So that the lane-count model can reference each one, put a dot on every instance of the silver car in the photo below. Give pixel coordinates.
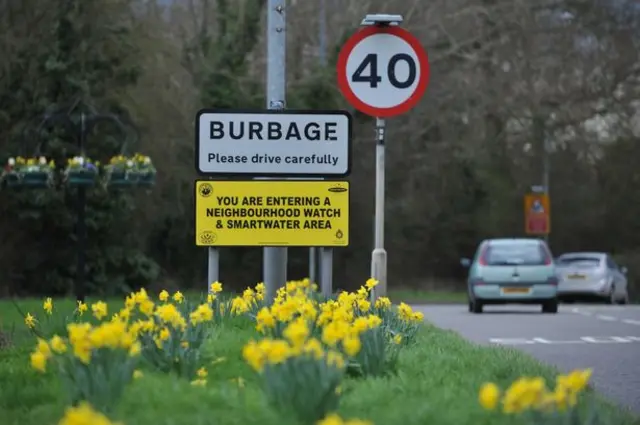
(591, 276)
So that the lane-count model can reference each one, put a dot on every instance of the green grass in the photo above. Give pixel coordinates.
(414, 296)
(437, 384)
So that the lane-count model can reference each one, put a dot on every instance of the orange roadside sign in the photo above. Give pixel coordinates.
(537, 214)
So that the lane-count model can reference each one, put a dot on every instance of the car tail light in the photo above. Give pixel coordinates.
(548, 259)
(553, 280)
(482, 260)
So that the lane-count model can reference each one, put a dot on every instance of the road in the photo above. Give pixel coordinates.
(605, 338)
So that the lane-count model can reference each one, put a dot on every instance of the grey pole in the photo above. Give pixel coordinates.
(326, 273)
(322, 53)
(322, 36)
(313, 266)
(213, 270)
(213, 266)
(379, 254)
(274, 261)
(545, 174)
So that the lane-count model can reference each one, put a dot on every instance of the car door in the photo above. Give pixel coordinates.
(619, 278)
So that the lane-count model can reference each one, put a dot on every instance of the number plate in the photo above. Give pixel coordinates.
(576, 276)
(521, 290)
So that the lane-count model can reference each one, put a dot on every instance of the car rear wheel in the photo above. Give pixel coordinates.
(625, 299)
(612, 296)
(475, 307)
(550, 307)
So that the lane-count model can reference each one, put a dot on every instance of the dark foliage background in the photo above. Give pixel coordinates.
(506, 76)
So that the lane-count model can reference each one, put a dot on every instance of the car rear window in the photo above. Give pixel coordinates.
(580, 262)
(512, 254)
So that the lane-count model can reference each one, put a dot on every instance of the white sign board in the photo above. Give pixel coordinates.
(273, 143)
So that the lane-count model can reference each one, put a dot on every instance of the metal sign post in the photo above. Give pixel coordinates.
(213, 267)
(383, 71)
(326, 271)
(274, 260)
(379, 253)
(313, 265)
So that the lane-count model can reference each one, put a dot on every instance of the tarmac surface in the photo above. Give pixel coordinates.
(605, 338)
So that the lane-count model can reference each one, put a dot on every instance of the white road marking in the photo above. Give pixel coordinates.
(607, 318)
(579, 340)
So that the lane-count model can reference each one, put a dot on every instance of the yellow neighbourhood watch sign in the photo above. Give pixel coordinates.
(272, 213)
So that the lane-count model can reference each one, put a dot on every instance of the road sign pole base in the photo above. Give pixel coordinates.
(379, 272)
(326, 274)
(213, 269)
(274, 270)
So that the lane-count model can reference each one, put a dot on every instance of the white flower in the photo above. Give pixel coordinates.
(147, 160)
(43, 160)
(12, 161)
(80, 160)
(129, 163)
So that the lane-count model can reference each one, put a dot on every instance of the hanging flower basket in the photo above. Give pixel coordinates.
(28, 173)
(147, 179)
(124, 172)
(81, 172)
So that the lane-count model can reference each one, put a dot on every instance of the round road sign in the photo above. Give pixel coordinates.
(383, 71)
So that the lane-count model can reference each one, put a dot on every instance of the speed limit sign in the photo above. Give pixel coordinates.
(383, 71)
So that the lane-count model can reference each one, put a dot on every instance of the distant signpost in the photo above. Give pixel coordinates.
(537, 214)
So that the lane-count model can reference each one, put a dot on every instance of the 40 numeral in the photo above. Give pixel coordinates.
(371, 76)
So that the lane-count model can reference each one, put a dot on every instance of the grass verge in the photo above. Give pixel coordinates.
(437, 383)
(413, 296)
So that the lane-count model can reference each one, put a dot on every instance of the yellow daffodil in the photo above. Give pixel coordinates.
(163, 296)
(371, 283)
(216, 287)
(84, 414)
(99, 310)
(58, 345)
(178, 297)
(81, 308)
(30, 321)
(38, 361)
(47, 306)
(489, 396)
(352, 345)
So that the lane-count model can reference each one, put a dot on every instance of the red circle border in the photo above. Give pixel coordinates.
(343, 83)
